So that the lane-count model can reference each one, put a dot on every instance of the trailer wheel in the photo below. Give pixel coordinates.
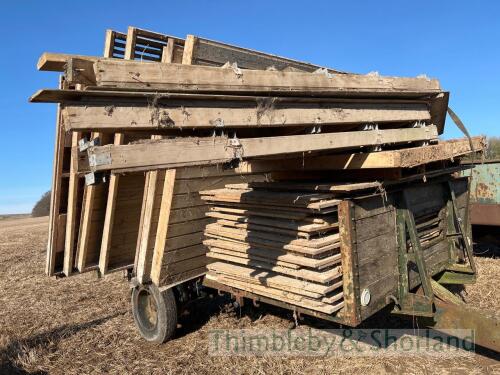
(155, 312)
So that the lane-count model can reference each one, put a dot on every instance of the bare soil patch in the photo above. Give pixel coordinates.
(82, 325)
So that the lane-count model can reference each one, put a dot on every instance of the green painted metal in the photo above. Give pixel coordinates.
(485, 193)
(485, 187)
(450, 277)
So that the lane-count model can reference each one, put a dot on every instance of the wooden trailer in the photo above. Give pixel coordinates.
(150, 178)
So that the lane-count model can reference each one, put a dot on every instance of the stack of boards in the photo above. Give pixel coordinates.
(143, 129)
(277, 243)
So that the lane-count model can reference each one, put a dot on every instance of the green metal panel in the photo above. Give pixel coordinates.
(485, 187)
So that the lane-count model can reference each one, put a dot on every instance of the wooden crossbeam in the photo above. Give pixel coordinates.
(209, 114)
(402, 158)
(179, 77)
(182, 152)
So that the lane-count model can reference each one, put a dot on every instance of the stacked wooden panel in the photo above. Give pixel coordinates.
(143, 130)
(276, 242)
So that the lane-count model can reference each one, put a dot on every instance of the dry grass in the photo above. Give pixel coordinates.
(83, 325)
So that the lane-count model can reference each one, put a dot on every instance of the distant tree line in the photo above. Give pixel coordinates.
(42, 207)
(493, 150)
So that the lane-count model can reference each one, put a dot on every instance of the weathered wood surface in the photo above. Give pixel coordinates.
(55, 243)
(173, 153)
(180, 77)
(201, 51)
(208, 114)
(402, 158)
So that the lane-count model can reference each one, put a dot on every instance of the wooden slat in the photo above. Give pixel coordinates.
(207, 51)
(186, 114)
(162, 228)
(109, 216)
(189, 45)
(109, 43)
(180, 77)
(69, 243)
(130, 44)
(144, 250)
(168, 52)
(175, 153)
(56, 232)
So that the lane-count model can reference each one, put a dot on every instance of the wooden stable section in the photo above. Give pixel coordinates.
(307, 186)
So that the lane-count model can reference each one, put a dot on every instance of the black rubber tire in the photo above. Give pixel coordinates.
(155, 313)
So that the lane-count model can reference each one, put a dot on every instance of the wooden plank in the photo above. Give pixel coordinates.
(109, 216)
(89, 196)
(109, 43)
(130, 44)
(145, 251)
(181, 77)
(56, 62)
(284, 256)
(208, 114)
(69, 243)
(179, 152)
(209, 52)
(336, 187)
(189, 47)
(163, 223)
(349, 268)
(56, 232)
(268, 277)
(168, 51)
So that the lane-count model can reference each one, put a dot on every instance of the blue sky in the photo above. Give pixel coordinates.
(457, 42)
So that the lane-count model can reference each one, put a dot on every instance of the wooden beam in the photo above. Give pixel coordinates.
(199, 151)
(109, 215)
(209, 52)
(69, 243)
(189, 48)
(137, 75)
(402, 158)
(168, 52)
(56, 232)
(162, 228)
(109, 43)
(56, 62)
(179, 77)
(130, 44)
(144, 248)
(209, 114)
(147, 226)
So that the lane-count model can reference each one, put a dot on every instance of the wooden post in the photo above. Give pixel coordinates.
(109, 43)
(189, 47)
(144, 250)
(162, 228)
(55, 231)
(69, 243)
(109, 216)
(130, 44)
(168, 51)
(350, 312)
